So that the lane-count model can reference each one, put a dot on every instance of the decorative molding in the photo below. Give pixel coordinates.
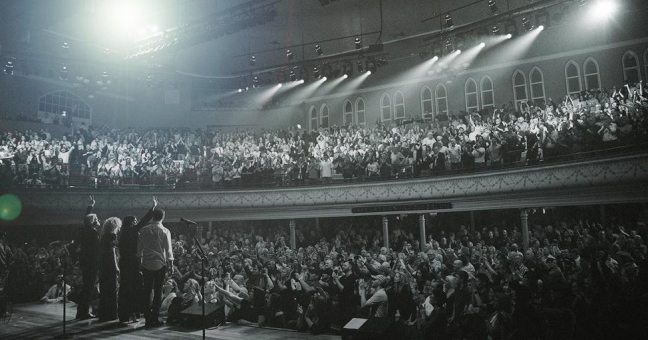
(538, 184)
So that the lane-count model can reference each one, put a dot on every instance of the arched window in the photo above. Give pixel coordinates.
(426, 103)
(347, 112)
(631, 71)
(536, 81)
(572, 78)
(399, 105)
(591, 74)
(520, 94)
(314, 119)
(360, 111)
(324, 116)
(385, 107)
(472, 103)
(441, 95)
(487, 93)
(55, 105)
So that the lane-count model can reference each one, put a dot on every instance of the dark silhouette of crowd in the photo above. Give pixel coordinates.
(528, 134)
(576, 280)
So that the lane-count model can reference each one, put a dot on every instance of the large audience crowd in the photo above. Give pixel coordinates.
(532, 133)
(576, 280)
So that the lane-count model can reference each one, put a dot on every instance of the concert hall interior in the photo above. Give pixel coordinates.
(324, 169)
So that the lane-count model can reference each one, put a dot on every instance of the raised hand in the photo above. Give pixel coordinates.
(155, 202)
(91, 200)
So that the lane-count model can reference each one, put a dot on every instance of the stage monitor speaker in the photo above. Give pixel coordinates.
(366, 329)
(192, 315)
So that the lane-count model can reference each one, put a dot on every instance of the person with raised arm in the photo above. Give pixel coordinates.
(88, 254)
(130, 279)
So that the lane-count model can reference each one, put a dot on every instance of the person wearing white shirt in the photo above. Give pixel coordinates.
(156, 255)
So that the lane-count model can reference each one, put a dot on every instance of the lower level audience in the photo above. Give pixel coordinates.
(577, 280)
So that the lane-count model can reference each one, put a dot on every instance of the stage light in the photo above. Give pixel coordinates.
(369, 72)
(316, 70)
(482, 45)
(63, 74)
(495, 29)
(449, 23)
(493, 7)
(358, 43)
(318, 49)
(289, 54)
(541, 28)
(252, 60)
(603, 9)
(10, 66)
(292, 75)
(458, 51)
(345, 76)
(279, 85)
(302, 81)
(239, 90)
(324, 78)
(360, 66)
(509, 36)
(65, 45)
(526, 24)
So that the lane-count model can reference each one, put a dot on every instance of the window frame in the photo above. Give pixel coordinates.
(424, 101)
(541, 82)
(587, 75)
(482, 92)
(387, 106)
(346, 113)
(626, 68)
(312, 118)
(438, 98)
(516, 100)
(364, 111)
(577, 76)
(467, 94)
(323, 116)
(397, 105)
(56, 102)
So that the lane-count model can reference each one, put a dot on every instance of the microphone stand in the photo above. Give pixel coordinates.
(203, 259)
(64, 254)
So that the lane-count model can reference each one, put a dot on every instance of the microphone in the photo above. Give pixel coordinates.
(188, 221)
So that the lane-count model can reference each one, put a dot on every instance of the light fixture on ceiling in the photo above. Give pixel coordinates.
(289, 54)
(65, 45)
(9, 66)
(252, 60)
(495, 29)
(493, 6)
(358, 43)
(526, 24)
(318, 49)
(449, 22)
(360, 66)
(64, 72)
(292, 75)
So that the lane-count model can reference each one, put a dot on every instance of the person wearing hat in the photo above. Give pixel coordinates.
(378, 302)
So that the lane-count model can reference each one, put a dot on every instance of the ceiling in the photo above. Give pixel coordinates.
(96, 32)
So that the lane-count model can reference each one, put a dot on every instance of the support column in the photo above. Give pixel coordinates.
(603, 217)
(317, 226)
(385, 225)
(422, 236)
(293, 237)
(524, 224)
(472, 221)
(210, 227)
(200, 230)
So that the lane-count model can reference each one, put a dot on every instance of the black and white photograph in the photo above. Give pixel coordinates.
(324, 169)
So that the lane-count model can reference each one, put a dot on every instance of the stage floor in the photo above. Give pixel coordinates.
(45, 321)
